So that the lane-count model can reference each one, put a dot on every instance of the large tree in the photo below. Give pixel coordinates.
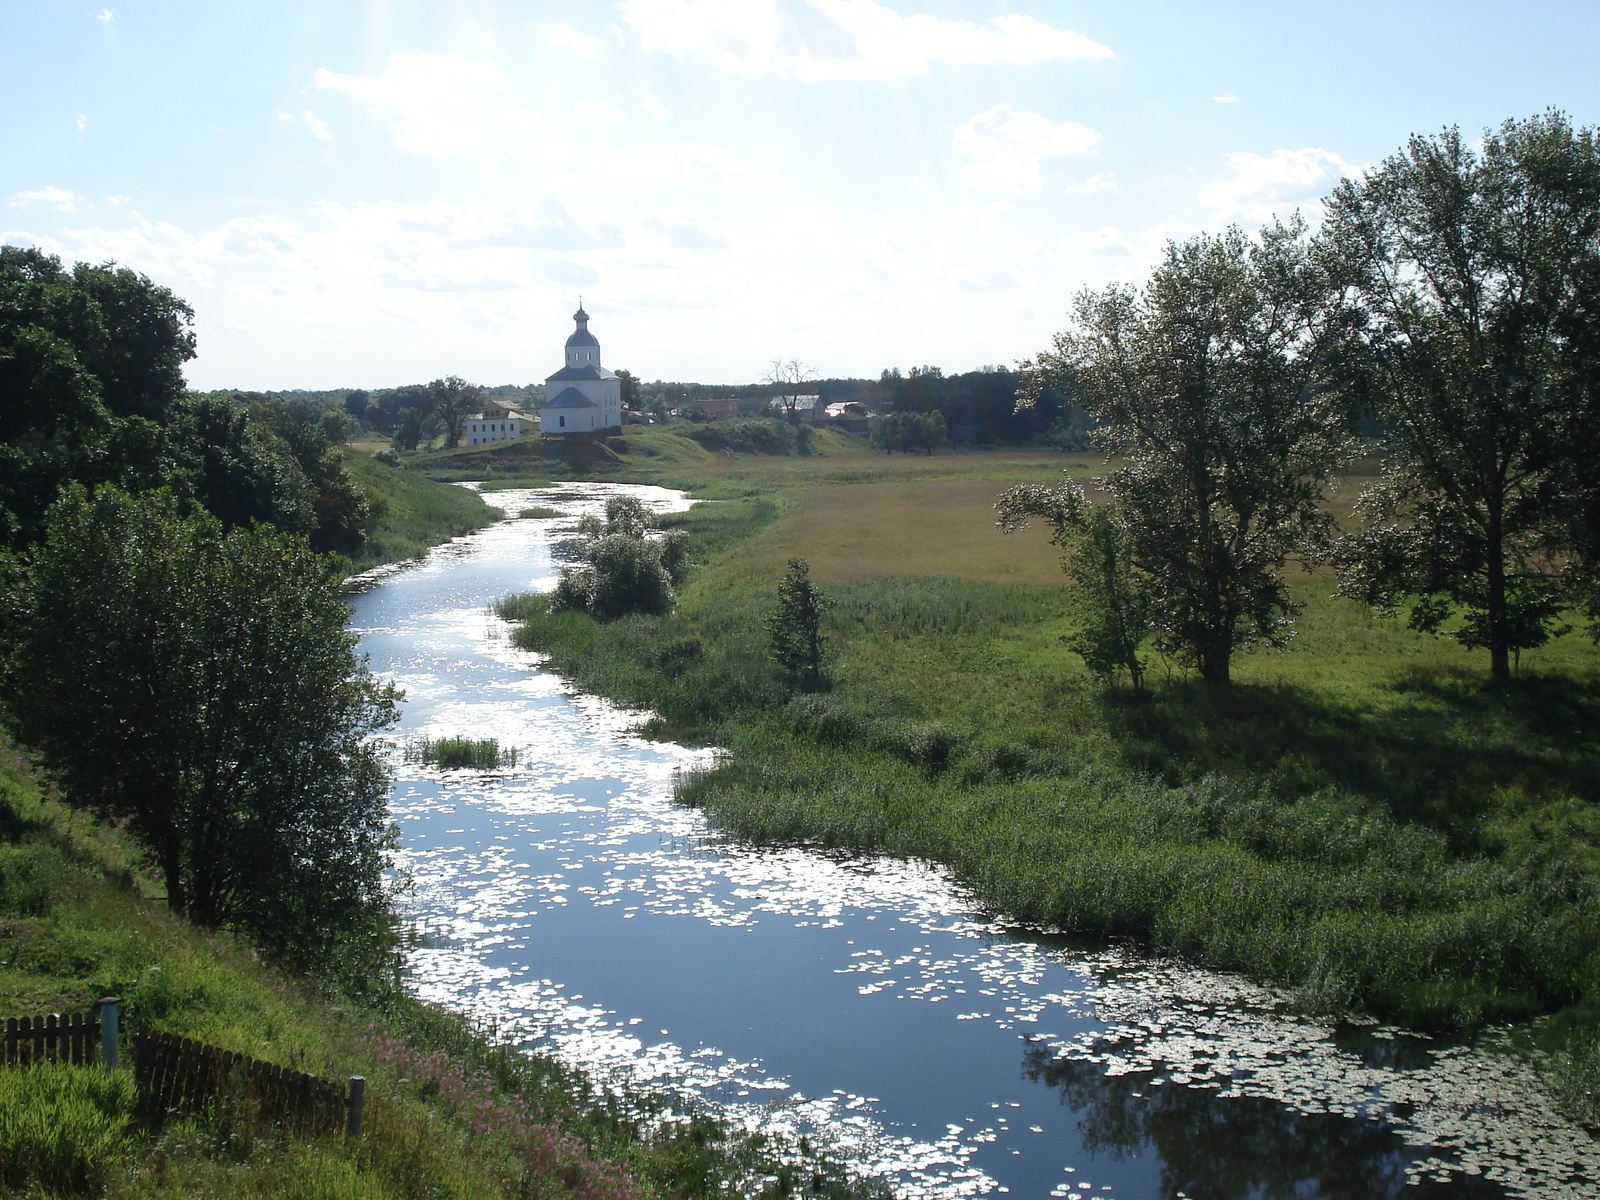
(1213, 384)
(1474, 275)
(454, 400)
(91, 370)
(199, 684)
(788, 377)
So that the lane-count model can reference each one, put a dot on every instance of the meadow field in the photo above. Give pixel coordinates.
(1359, 817)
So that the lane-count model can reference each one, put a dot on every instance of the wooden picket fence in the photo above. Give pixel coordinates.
(70, 1038)
(178, 1075)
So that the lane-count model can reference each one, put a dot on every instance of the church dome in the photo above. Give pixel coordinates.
(581, 335)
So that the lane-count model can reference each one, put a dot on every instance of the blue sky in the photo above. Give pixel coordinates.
(370, 194)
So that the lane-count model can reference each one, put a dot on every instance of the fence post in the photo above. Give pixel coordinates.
(108, 1031)
(358, 1095)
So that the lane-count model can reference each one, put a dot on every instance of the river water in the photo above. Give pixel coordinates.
(864, 1001)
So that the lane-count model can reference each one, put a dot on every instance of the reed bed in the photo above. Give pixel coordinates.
(479, 754)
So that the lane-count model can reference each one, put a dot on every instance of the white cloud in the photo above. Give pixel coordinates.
(1105, 181)
(1230, 98)
(63, 200)
(448, 105)
(597, 110)
(116, 201)
(1008, 145)
(583, 44)
(652, 108)
(1136, 253)
(105, 14)
(81, 122)
(814, 40)
(684, 228)
(443, 104)
(1106, 240)
(1259, 187)
(318, 130)
(694, 163)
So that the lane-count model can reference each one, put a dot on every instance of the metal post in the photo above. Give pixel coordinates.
(108, 1031)
(358, 1095)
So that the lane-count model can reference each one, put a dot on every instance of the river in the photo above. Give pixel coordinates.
(862, 1000)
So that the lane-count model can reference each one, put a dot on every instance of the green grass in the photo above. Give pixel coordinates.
(1361, 818)
(480, 754)
(62, 1128)
(415, 513)
(451, 1112)
(538, 512)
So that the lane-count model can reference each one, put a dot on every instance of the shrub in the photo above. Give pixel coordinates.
(628, 577)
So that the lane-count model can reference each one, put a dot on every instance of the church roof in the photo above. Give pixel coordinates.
(587, 371)
(581, 335)
(570, 398)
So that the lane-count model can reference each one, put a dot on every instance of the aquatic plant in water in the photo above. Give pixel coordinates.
(483, 754)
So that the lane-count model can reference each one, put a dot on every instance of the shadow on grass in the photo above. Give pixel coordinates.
(1443, 753)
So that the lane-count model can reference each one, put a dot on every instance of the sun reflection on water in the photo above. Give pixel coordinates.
(759, 979)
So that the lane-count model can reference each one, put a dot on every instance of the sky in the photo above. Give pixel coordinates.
(367, 194)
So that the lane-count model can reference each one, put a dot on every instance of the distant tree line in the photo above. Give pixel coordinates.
(977, 407)
(420, 413)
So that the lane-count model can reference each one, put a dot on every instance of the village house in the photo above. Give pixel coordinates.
(497, 423)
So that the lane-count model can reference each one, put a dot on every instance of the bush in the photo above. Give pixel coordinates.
(628, 577)
(625, 570)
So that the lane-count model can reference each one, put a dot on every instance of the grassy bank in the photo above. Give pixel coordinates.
(1359, 818)
(450, 1112)
(414, 512)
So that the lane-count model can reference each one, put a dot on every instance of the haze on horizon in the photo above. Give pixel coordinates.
(371, 194)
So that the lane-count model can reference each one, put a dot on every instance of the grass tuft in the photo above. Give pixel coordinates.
(480, 754)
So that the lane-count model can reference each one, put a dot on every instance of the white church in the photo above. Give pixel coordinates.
(582, 397)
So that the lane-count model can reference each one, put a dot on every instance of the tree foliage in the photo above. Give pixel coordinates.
(1474, 278)
(199, 685)
(908, 431)
(787, 377)
(794, 625)
(1108, 600)
(626, 566)
(91, 392)
(1215, 384)
(453, 401)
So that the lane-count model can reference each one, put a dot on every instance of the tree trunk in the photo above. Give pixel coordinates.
(172, 874)
(1499, 634)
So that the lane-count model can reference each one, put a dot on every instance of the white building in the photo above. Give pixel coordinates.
(583, 397)
(497, 424)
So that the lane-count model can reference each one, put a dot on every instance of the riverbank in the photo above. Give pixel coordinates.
(451, 1111)
(1360, 818)
(414, 513)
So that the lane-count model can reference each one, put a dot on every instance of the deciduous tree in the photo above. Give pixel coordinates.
(1474, 276)
(787, 377)
(200, 685)
(1108, 600)
(1212, 382)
